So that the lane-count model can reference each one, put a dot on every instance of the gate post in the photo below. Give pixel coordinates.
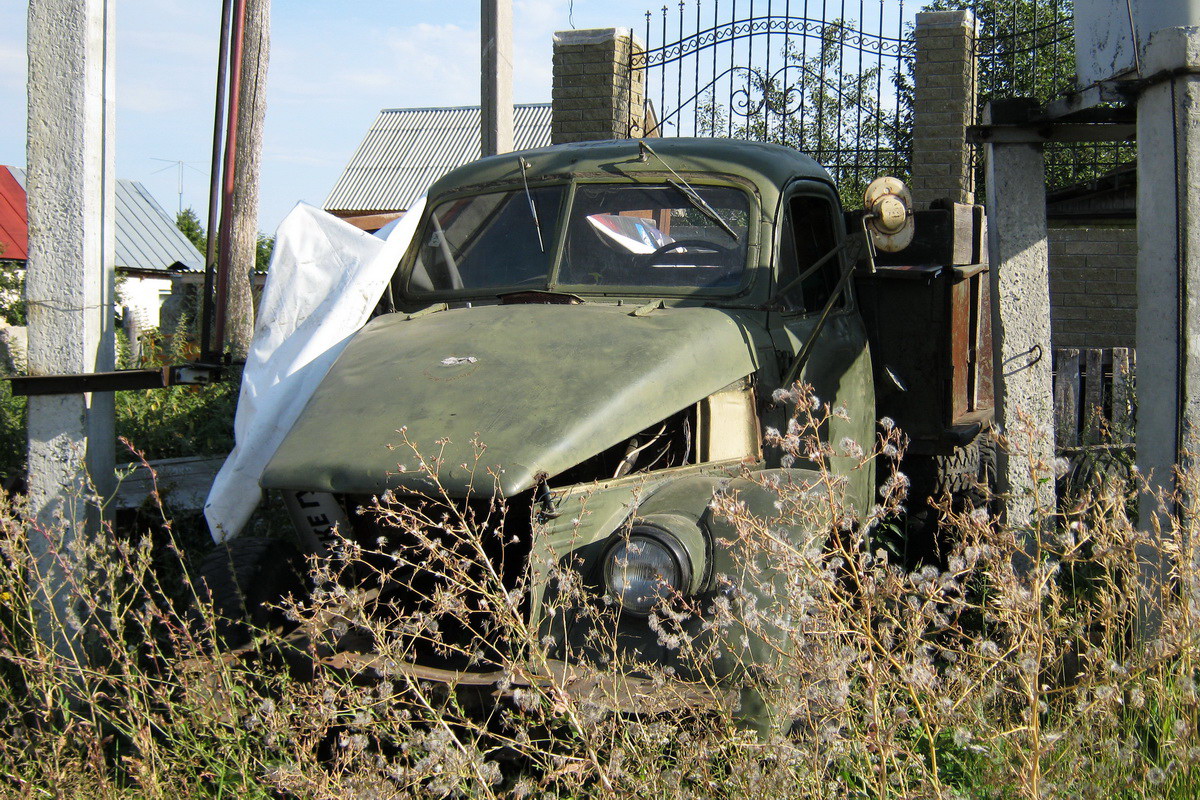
(1020, 290)
(596, 93)
(945, 94)
(1168, 285)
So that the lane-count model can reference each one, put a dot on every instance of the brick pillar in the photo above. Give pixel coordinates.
(596, 95)
(944, 99)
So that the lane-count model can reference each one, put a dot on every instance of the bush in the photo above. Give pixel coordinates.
(177, 421)
(1013, 670)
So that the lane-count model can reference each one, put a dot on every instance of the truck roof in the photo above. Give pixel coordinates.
(768, 166)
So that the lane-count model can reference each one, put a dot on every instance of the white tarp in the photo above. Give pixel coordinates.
(326, 277)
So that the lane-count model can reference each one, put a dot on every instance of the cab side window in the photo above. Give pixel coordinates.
(808, 233)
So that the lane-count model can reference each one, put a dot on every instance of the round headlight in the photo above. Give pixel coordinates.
(643, 569)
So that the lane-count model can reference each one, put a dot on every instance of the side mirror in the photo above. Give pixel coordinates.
(888, 215)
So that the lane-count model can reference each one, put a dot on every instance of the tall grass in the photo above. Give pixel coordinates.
(1032, 665)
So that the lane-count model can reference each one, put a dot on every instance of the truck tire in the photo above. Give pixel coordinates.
(245, 579)
(967, 475)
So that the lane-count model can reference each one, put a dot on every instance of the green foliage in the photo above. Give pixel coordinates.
(12, 291)
(12, 435)
(189, 223)
(179, 420)
(262, 252)
(1026, 49)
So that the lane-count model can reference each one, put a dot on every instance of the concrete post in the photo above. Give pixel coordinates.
(1168, 268)
(1020, 291)
(596, 93)
(945, 95)
(69, 281)
(496, 73)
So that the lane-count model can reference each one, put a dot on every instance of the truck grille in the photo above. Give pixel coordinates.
(443, 570)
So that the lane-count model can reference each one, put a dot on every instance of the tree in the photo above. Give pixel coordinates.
(262, 252)
(814, 103)
(189, 224)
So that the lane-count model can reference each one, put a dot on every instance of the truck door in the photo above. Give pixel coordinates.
(839, 367)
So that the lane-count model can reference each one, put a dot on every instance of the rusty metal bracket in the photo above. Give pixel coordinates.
(1024, 121)
(118, 381)
(1039, 133)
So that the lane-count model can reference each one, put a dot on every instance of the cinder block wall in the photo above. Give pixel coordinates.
(1093, 286)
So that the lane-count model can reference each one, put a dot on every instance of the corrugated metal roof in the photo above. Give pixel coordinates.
(146, 238)
(407, 149)
(14, 225)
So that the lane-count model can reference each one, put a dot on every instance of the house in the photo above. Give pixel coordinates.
(407, 149)
(152, 255)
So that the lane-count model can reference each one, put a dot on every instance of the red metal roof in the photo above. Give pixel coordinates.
(14, 221)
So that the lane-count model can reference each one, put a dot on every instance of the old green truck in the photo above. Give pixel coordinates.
(594, 337)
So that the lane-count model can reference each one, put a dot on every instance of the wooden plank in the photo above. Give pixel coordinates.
(1093, 395)
(1066, 397)
(1122, 416)
(183, 483)
(960, 347)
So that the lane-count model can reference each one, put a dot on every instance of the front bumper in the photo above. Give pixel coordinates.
(558, 679)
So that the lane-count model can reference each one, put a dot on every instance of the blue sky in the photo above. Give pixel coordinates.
(333, 66)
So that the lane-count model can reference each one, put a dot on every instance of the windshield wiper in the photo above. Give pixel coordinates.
(704, 208)
(532, 208)
(692, 196)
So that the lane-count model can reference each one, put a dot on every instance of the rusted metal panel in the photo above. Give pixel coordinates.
(947, 236)
(959, 318)
(118, 381)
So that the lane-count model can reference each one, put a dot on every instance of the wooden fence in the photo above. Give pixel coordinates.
(1094, 398)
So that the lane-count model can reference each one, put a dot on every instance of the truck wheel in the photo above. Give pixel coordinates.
(244, 579)
(967, 476)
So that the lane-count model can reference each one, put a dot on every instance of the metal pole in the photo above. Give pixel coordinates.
(235, 90)
(214, 189)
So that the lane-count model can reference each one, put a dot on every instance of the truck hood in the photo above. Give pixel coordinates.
(495, 395)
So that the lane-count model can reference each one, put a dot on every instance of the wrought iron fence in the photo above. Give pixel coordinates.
(1026, 48)
(824, 76)
(834, 77)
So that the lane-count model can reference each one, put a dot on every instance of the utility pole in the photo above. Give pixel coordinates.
(496, 117)
(69, 286)
(243, 214)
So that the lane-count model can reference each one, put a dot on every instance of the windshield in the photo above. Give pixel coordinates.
(489, 241)
(670, 235)
(655, 236)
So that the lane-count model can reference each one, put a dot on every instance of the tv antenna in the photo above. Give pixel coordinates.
(178, 166)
